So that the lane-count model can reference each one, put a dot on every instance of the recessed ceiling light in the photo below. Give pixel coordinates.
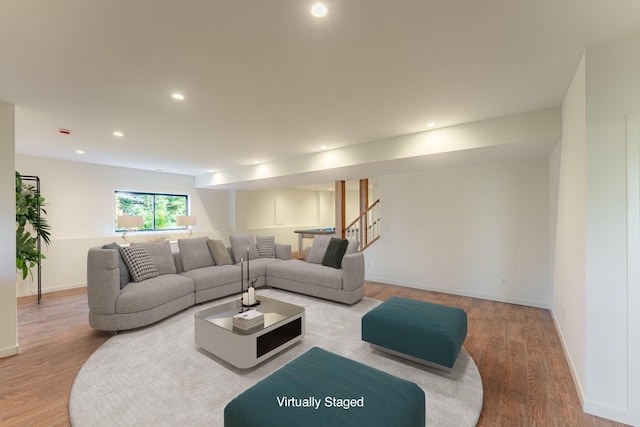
(319, 10)
(178, 96)
(431, 125)
(79, 152)
(324, 147)
(118, 134)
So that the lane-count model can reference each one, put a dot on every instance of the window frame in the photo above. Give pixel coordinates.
(153, 195)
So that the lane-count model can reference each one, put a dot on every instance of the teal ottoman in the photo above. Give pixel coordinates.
(323, 389)
(420, 331)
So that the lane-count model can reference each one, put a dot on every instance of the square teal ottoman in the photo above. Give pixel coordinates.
(424, 332)
(323, 389)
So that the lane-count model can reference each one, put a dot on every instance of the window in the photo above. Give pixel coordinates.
(158, 210)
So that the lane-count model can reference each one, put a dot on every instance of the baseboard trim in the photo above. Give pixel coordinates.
(490, 297)
(9, 351)
(621, 415)
(567, 356)
(32, 293)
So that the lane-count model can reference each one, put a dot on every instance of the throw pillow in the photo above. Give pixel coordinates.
(335, 252)
(266, 246)
(125, 277)
(139, 262)
(239, 245)
(353, 246)
(161, 256)
(318, 248)
(219, 252)
(195, 253)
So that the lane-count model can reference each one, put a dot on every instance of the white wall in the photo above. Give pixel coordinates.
(613, 92)
(281, 211)
(81, 208)
(480, 231)
(8, 331)
(326, 209)
(570, 247)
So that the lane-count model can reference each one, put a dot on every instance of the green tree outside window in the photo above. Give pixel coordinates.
(158, 210)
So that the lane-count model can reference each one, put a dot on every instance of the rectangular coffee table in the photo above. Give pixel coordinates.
(283, 327)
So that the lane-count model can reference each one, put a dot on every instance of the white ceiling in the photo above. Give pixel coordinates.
(265, 81)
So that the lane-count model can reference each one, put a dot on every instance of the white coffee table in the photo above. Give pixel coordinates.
(283, 327)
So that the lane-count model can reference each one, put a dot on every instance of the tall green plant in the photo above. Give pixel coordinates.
(29, 216)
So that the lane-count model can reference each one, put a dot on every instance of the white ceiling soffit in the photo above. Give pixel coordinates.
(529, 135)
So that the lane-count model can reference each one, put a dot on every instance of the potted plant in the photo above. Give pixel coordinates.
(30, 223)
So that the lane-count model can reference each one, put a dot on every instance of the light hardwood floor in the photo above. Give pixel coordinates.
(525, 375)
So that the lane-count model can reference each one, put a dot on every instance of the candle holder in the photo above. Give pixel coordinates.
(249, 299)
(248, 307)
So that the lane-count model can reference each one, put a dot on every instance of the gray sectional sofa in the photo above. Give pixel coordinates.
(170, 278)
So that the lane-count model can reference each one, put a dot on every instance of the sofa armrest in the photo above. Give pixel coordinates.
(283, 251)
(353, 271)
(103, 280)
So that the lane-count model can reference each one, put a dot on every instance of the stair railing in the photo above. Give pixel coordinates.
(367, 227)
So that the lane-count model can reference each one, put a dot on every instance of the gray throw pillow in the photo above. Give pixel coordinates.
(125, 277)
(161, 256)
(219, 252)
(266, 246)
(239, 245)
(318, 248)
(195, 253)
(353, 246)
(139, 262)
(335, 252)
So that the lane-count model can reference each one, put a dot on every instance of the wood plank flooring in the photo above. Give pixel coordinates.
(525, 375)
(55, 340)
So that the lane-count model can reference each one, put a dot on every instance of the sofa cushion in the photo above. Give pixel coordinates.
(139, 262)
(212, 277)
(305, 272)
(151, 293)
(160, 255)
(334, 253)
(258, 267)
(195, 253)
(177, 259)
(318, 248)
(219, 252)
(266, 246)
(239, 245)
(125, 277)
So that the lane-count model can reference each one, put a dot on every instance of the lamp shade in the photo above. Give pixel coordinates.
(185, 220)
(130, 221)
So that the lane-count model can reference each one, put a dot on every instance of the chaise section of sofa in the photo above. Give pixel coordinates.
(312, 277)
